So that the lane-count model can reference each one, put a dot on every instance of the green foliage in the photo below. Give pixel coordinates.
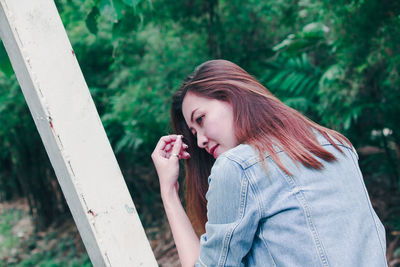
(294, 80)
(338, 62)
(352, 82)
(5, 65)
(48, 259)
(34, 249)
(141, 108)
(7, 220)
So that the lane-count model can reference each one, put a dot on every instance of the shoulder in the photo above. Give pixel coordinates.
(324, 142)
(242, 155)
(245, 156)
(229, 186)
(230, 167)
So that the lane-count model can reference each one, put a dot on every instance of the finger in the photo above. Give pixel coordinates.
(169, 143)
(168, 147)
(184, 146)
(177, 147)
(165, 140)
(182, 150)
(184, 155)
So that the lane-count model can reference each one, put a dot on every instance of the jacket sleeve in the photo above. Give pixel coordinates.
(233, 216)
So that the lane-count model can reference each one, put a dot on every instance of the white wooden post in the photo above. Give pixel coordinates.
(72, 133)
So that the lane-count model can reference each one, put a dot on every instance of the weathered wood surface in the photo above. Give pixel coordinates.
(72, 133)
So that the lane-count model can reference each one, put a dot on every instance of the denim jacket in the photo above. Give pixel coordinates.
(260, 216)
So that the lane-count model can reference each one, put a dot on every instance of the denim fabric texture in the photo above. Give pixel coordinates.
(260, 216)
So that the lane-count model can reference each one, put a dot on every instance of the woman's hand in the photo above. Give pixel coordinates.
(166, 157)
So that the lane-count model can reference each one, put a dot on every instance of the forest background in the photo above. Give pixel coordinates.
(338, 62)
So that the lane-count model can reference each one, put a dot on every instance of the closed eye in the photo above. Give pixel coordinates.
(199, 120)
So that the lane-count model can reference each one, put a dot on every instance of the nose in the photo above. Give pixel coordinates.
(202, 140)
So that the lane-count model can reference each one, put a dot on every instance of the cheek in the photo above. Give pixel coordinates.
(214, 128)
(232, 138)
(211, 129)
(230, 133)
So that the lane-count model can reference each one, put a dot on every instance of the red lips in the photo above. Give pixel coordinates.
(212, 150)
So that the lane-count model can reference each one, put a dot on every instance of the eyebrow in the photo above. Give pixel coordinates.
(191, 116)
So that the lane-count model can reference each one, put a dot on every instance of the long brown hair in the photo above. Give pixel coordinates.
(260, 120)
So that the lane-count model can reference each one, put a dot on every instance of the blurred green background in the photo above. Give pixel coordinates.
(338, 62)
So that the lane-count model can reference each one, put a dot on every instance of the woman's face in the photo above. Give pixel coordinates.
(211, 120)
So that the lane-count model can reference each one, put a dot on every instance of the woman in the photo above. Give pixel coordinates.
(265, 185)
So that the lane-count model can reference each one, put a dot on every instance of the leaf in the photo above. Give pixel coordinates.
(289, 39)
(114, 10)
(315, 27)
(5, 64)
(303, 86)
(301, 103)
(132, 3)
(119, 8)
(288, 81)
(347, 123)
(105, 7)
(298, 79)
(277, 79)
(91, 20)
